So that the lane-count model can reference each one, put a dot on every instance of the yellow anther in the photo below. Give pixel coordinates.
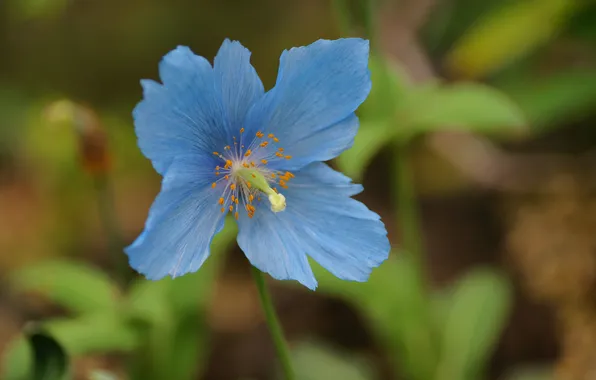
(236, 200)
(216, 173)
(222, 209)
(216, 153)
(245, 165)
(213, 185)
(236, 215)
(278, 202)
(275, 139)
(233, 197)
(227, 147)
(264, 161)
(221, 201)
(217, 167)
(251, 198)
(260, 134)
(231, 208)
(241, 130)
(280, 149)
(272, 175)
(277, 154)
(275, 189)
(226, 176)
(290, 175)
(252, 164)
(264, 144)
(271, 135)
(282, 183)
(288, 157)
(248, 152)
(233, 186)
(248, 184)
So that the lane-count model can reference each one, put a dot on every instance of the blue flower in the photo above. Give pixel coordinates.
(224, 145)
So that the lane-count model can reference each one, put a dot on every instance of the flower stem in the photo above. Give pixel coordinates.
(110, 224)
(281, 346)
(342, 16)
(407, 206)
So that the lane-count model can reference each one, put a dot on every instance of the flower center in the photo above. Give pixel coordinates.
(243, 175)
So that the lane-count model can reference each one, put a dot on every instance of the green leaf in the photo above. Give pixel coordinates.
(189, 351)
(479, 307)
(35, 356)
(187, 291)
(102, 375)
(316, 362)
(371, 138)
(395, 300)
(98, 333)
(172, 310)
(51, 361)
(17, 362)
(78, 287)
(389, 86)
(506, 34)
(548, 101)
(463, 106)
(43, 352)
(377, 126)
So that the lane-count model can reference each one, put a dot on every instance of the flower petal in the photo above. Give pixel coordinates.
(329, 142)
(240, 84)
(318, 87)
(320, 220)
(182, 221)
(185, 115)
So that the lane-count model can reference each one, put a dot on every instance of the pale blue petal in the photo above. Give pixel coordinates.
(185, 115)
(240, 84)
(320, 220)
(318, 87)
(329, 142)
(274, 248)
(182, 221)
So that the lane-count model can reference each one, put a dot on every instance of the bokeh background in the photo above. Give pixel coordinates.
(476, 148)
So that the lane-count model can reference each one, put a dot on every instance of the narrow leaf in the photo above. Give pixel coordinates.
(479, 307)
(77, 287)
(506, 34)
(464, 106)
(548, 101)
(35, 356)
(99, 333)
(371, 138)
(395, 301)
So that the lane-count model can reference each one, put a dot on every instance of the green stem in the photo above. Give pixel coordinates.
(107, 214)
(368, 9)
(407, 205)
(424, 345)
(342, 15)
(281, 346)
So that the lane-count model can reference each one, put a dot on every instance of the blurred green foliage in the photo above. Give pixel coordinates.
(497, 55)
(156, 321)
(436, 336)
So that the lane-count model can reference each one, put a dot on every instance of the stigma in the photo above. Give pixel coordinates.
(243, 176)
